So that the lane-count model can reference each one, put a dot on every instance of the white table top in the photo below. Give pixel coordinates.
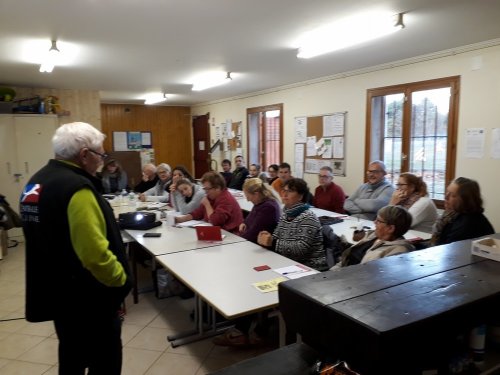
(223, 276)
(174, 239)
(351, 223)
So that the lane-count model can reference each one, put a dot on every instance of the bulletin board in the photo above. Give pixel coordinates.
(320, 141)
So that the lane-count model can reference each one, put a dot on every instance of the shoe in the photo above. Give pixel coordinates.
(237, 339)
(232, 337)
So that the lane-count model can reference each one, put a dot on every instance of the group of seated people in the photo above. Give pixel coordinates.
(294, 231)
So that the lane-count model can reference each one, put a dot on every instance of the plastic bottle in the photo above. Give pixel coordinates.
(132, 199)
(123, 198)
(477, 341)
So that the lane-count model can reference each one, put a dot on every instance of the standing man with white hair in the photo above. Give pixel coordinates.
(372, 195)
(76, 270)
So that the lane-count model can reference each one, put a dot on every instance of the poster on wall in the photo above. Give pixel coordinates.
(120, 141)
(134, 140)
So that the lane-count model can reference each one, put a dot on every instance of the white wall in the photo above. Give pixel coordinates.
(479, 107)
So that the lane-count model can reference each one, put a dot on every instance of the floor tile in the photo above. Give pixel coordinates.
(45, 352)
(138, 361)
(177, 364)
(24, 368)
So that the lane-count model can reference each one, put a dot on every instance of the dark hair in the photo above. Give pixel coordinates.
(298, 185)
(417, 182)
(184, 171)
(285, 165)
(469, 193)
(114, 163)
(226, 161)
(274, 167)
(397, 216)
(257, 166)
(215, 179)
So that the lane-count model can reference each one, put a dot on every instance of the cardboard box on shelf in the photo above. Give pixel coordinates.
(487, 248)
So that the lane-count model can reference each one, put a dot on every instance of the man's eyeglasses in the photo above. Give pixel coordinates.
(324, 176)
(103, 156)
(208, 188)
(374, 171)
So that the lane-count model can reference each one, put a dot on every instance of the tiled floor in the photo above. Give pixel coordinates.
(31, 348)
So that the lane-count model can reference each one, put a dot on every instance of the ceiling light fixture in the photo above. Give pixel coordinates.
(210, 80)
(348, 32)
(154, 98)
(50, 59)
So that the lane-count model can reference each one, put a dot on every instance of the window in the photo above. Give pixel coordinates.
(413, 128)
(265, 140)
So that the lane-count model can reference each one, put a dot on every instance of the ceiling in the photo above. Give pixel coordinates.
(127, 48)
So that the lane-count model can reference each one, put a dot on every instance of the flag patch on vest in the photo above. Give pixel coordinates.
(31, 193)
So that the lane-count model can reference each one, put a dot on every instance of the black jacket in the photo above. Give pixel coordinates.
(56, 281)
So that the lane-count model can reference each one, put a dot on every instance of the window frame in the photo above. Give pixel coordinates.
(407, 89)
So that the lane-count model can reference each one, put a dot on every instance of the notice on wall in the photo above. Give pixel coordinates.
(300, 129)
(299, 152)
(474, 143)
(495, 143)
(120, 141)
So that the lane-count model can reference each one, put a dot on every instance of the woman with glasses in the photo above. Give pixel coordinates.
(298, 235)
(159, 192)
(387, 239)
(218, 207)
(463, 216)
(411, 193)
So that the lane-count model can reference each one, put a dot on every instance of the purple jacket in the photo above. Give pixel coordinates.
(264, 216)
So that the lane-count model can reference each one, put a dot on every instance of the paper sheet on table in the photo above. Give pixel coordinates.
(295, 272)
(269, 285)
(192, 223)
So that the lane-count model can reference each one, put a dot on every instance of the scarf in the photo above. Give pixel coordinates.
(446, 218)
(294, 211)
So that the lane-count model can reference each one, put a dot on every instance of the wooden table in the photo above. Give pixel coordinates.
(396, 315)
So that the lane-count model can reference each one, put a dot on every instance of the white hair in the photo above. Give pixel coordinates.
(70, 138)
(163, 166)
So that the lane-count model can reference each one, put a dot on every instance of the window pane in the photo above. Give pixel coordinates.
(428, 141)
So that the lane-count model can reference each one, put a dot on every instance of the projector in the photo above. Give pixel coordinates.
(138, 220)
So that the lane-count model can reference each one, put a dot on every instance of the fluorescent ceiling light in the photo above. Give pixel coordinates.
(348, 32)
(50, 59)
(211, 79)
(154, 97)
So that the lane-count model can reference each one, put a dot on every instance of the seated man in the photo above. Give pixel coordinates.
(387, 239)
(226, 171)
(254, 171)
(284, 174)
(372, 195)
(149, 178)
(218, 207)
(239, 174)
(328, 195)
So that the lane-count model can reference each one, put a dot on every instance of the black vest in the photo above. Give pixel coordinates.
(56, 281)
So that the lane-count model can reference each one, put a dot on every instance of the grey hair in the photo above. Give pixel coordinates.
(163, 166)
(149, 166)
(70, 138)
(397, 216)
(380, 163)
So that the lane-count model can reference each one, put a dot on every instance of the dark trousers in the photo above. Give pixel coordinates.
(92, 342)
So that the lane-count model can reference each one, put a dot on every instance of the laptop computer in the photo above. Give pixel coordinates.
(208, 233)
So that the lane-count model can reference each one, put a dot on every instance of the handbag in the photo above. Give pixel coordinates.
(8, 217)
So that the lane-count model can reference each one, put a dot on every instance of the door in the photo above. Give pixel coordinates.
(201, 140)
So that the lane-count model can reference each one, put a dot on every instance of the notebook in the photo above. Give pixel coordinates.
(208, 233)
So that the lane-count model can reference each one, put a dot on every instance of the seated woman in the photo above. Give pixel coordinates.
(387, 239)
(187, 197)
(411, 193)
(178, 173)
(113, 177)
(265, 213)
(254, 171)
(463, 216)
(298, 235)
(159, 192)
(218, 207)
